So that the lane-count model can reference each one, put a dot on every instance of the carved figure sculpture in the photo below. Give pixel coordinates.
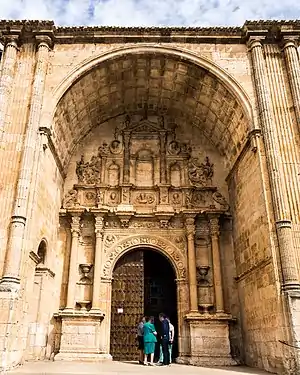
(174, 148)
(90, 172)
(80, 169)
(200, 173)
(115, 147)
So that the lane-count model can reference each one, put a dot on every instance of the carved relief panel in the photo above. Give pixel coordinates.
(141, 162)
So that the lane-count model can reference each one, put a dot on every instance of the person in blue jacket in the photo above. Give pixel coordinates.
(149, 340)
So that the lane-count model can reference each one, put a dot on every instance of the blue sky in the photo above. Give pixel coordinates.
(150, 12)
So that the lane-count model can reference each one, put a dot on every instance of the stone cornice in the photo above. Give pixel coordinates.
(272, 30)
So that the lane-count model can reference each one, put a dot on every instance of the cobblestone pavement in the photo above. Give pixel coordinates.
(119, 368)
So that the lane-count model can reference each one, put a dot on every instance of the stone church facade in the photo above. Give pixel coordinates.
(178, 141)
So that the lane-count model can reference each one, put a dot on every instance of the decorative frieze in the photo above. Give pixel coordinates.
(198, 199)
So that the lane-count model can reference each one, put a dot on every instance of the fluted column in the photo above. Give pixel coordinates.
(293, 69)
(215, 247)
(276, 174)
(7, 76)
(163, 172)
(11, 275)
(99, 224)
(190, 232)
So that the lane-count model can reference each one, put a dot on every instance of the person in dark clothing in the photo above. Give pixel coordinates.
(165, 338)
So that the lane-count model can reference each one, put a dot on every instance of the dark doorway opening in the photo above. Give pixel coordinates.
(143, 284)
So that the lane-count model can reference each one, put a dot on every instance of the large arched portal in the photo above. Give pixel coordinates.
(146, 140)
(143, 285)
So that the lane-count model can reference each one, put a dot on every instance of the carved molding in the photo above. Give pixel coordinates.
(167, 248)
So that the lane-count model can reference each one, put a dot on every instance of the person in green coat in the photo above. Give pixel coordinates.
(149, 340)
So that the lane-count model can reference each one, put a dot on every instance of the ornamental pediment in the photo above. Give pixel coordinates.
(145, 126)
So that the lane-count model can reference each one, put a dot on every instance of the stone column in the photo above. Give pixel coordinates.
(99, 224)
(190, 231)
(214, 232)
(7, 76)
(11, 274)
(293, 69)
(163, 172)
(126, 170)
(75, 231)
(273, 155)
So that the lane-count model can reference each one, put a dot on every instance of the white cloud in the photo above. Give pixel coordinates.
(150, 12)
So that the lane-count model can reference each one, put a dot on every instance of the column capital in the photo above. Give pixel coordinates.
(12, 41)
(190, 225)
(214, 226)
(290, 41)
(44, 41)
(75, 223)
(255, 41)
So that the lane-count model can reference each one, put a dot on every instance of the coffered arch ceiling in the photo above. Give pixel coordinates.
(169, 85)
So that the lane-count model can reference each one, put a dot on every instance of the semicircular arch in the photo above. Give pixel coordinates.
(90, 63)
(157, 243)
(187, 87)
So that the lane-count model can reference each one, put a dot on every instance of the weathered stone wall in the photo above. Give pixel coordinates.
(42, 281)
(254, 248)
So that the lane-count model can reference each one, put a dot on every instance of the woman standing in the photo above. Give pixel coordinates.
(149, 340)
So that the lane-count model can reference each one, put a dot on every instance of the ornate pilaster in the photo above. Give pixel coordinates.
(190, 233)
(279, 196)
(291, 56)
(215, 233)
(126, 170)
(163, 171)
(11, 275)
(7, 76)
(99, 225)
(75, 232)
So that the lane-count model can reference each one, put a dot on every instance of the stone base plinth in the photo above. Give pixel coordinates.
(88, 357)
(80, 336)
(210, 344)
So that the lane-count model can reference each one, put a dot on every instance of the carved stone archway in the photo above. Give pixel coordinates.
(165, 247)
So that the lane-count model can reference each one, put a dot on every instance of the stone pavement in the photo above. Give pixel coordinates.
(119, 368)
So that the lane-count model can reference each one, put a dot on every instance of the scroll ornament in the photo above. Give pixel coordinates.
(71, 198)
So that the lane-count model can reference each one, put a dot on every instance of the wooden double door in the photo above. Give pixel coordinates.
(143, 284)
